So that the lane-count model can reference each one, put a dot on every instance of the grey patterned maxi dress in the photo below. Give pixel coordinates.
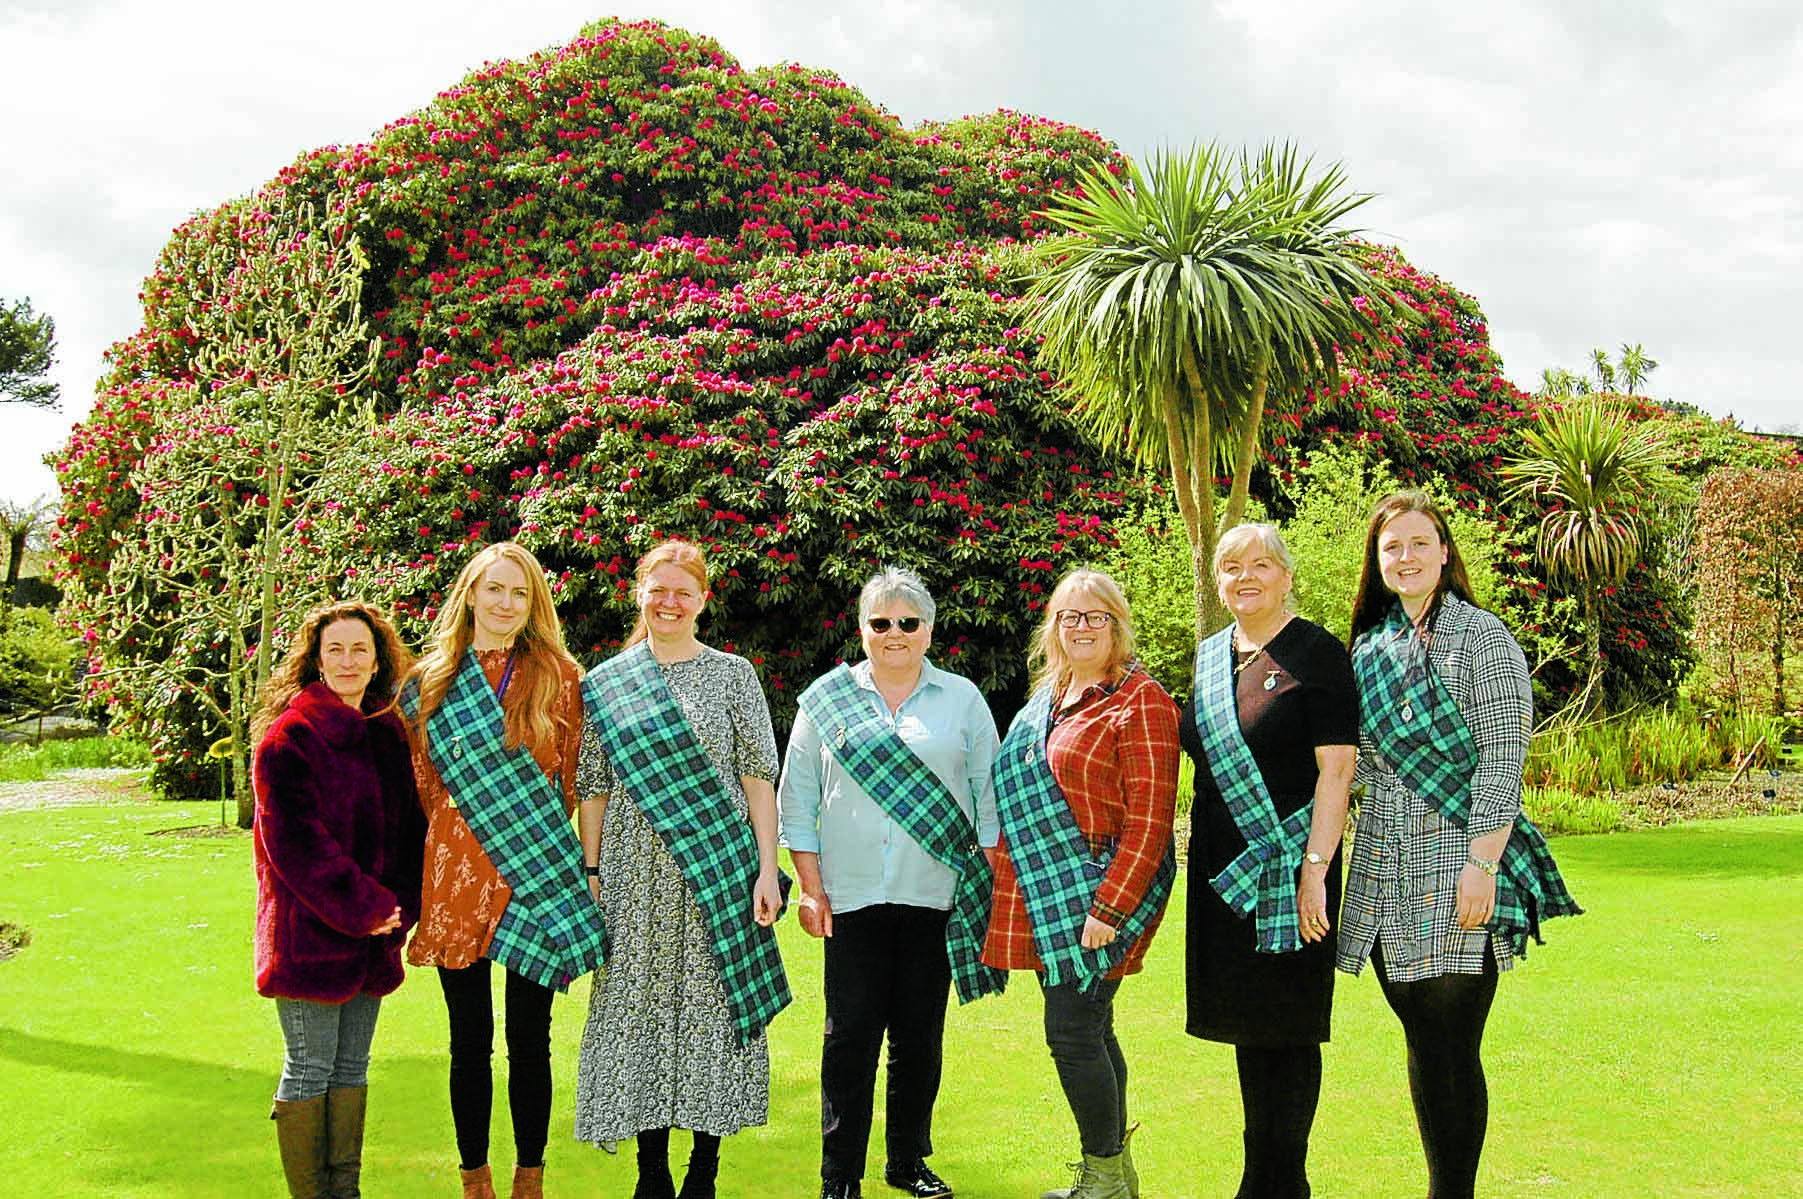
(660, 1050)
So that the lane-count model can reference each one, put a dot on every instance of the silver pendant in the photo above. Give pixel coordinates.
(840, 739)
(1408, 711)
(1270, 680)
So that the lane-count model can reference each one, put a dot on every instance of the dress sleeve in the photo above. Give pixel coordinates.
(1334, 716)
(1499, 711)
(1147, 750)
(594, 773)
(570, 729)
(754, 739)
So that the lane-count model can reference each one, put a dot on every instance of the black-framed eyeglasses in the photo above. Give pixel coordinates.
(907, 624)
(1070, 618)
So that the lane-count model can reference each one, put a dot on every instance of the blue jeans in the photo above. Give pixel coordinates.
(326, 1045)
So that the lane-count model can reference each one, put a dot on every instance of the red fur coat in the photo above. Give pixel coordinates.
(339, 844)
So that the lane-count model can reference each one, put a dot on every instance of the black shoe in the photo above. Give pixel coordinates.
(917, 1179)
(833, 1188)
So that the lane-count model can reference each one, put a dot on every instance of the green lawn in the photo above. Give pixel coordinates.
(1651, 1049)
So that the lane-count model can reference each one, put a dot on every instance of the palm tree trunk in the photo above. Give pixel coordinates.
(1197, 477)
(1593, 646)
(1247, 451)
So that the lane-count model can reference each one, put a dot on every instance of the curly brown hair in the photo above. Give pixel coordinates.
(299, 667)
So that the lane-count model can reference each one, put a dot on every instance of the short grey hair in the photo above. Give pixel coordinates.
(896, 584)
(1235, 541)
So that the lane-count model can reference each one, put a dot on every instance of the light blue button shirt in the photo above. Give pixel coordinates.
(865, 857)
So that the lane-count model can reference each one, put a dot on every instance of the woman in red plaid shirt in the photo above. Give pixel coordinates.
(1086, 783)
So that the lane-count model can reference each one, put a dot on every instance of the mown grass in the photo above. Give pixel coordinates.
(1646, 1051)
(23, 763)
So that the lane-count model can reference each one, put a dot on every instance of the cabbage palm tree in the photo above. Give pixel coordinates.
(1186, 301)
(1634, 365)
(1593, 472)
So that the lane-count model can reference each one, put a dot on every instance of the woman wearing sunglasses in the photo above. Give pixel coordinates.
(886, 799)
(1086, 791)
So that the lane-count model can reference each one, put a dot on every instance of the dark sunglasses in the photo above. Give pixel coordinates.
(907, 624)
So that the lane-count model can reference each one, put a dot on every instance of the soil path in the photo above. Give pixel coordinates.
(71, 788)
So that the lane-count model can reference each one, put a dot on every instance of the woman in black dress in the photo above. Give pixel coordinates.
(1273, 729)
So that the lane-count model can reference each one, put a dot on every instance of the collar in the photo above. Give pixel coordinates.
(333, 719)
(930, 676)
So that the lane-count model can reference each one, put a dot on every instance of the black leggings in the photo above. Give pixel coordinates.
(1443, 1023)
(470, 1005)
(1279, 1088)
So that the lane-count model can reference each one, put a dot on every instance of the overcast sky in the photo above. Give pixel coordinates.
(1594, 173)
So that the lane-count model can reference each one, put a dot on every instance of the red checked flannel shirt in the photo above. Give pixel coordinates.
(1114, 754)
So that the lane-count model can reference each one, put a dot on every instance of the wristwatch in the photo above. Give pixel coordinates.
(1314, 859)
(1487, 865)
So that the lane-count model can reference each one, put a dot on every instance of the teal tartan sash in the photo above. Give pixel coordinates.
(669, 776)
(1058, 877)
(1406, 711)
(551, 931)
(1261, 882)
(892, 774)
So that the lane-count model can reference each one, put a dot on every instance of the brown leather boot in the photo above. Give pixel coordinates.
(478, 1183)
(300, 1132)
(345, 1107)
(528, 1182)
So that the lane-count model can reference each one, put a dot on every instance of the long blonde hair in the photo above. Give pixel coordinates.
(1047, 661)
(685, 556)
(540, 659)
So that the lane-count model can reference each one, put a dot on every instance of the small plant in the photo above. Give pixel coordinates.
(1558, 811)
(35, 763)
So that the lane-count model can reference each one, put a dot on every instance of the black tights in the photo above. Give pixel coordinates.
(470, 1005)
(1279, 1088)
(1443, 1023)
(654, 1155)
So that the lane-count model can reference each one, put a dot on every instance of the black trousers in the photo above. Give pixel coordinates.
(1079, 1030)
(470, 1006)
(1279, 1090)
(1443, 1022)
(886, 972)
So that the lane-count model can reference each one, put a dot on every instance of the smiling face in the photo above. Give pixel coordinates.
(1085, 632)
(892, 650)
(1411, 556)
(670, 600)
(1252, 584)
(347, 659)
(500, 603)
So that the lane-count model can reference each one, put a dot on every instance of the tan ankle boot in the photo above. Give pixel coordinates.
(478, 1183)
(300, 1133)
(528, 1182)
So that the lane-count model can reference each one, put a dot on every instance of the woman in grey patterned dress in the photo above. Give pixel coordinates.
(1422, 886)
(660, 1049)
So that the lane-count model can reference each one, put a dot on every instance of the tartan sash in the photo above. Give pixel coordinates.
(669, 776)
(551, 932)
(1260, 882)
(1058, 875)
(1407, 712)
(908, 791)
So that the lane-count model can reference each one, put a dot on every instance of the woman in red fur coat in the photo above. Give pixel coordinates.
(339, 839)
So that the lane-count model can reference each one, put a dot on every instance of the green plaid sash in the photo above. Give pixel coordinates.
(892, 774)
(1406, 711)
(1058, 876)
(551, 931)
(1261, 882)
(667, 773)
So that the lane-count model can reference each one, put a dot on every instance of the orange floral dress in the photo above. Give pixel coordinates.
(462, 897)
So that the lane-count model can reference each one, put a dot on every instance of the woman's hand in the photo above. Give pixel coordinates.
(766, 898)
(816, 915)
(594, 888)
(389, 925)
(1311, 902)
(1096, 933)
(1477, 896)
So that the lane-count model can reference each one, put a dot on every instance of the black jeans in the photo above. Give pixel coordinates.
(1079, 1030)
(1443, 1022)
(886, 971)
(470, 1005)
(1279, 1090)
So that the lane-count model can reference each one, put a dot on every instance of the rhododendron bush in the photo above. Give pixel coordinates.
(628, 289)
